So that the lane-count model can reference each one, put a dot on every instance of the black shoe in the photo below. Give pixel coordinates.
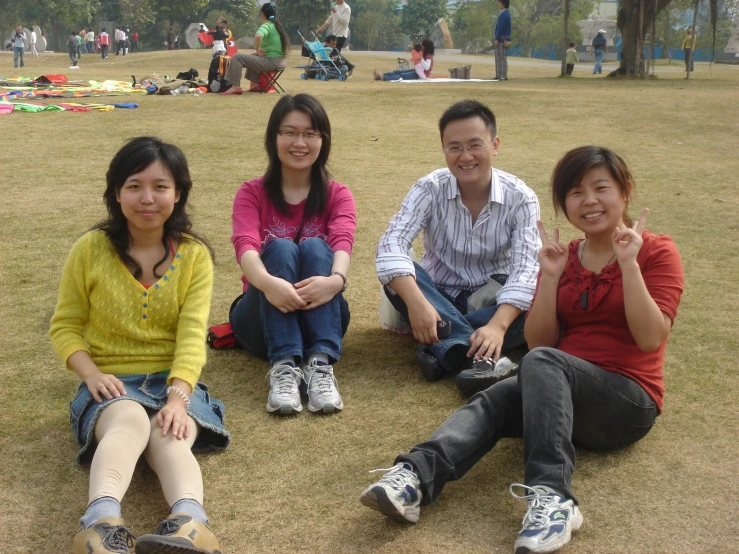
(483, 375)
(430, 366)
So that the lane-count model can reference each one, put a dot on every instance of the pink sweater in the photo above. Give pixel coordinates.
(256, 221)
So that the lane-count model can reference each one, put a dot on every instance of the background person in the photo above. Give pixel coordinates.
(104, 43)
(271, 46)
(427, 49)
(503, 30)
(598, 327)
(339, 22)
(131, 322)
(571, 59)
(293, 232)
(90, 39)
(688, 47)
(600, 49)
(34, 52)
(19, 45)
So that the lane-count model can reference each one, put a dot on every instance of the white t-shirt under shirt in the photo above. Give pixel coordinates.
(339, 20)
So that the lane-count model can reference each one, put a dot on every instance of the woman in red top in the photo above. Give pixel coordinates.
(597, 329)
(293, 231)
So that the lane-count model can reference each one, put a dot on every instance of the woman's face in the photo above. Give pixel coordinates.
(147, 198)
(298, 143)
(597, 205)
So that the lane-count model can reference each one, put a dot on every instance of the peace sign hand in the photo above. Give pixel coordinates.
(627, 242)
(553, 254)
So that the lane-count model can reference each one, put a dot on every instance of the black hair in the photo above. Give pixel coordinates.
(572, 44)
(134, 157)
(505, 3)
(329, 38)
(270, 13)
(319, 176)
(428, 46)
(417, 47)
(465, 110)
(104, 31)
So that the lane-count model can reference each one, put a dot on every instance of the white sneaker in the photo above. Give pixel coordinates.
(284, 394)
(397, 494)
(323, 391)
(549, 521)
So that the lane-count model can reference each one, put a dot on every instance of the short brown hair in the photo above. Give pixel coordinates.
(573, 166)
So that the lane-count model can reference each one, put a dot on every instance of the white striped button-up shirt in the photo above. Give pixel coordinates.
(457, 254)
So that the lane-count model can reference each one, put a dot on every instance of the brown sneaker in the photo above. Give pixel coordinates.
(108, 534)
(179, 534)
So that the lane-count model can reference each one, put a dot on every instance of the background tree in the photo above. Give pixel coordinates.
(304, 13)
(419, 16)
(375, 25)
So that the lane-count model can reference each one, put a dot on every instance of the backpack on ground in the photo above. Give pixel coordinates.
(217, 72)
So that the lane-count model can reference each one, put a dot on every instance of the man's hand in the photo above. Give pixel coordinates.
(423, 317)
(487, 342)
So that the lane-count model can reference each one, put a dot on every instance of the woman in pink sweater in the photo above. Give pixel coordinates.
(293, 231)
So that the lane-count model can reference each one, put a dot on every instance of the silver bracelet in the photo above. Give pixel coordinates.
(179, 391)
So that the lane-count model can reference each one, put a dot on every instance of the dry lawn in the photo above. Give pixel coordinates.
(292, 485)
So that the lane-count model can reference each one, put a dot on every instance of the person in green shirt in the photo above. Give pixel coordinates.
(571, 58)
(271, 46)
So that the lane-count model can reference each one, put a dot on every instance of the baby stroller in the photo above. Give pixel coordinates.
(322, 67)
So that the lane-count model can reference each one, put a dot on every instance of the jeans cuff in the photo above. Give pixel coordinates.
(294, 353)
(333, 356)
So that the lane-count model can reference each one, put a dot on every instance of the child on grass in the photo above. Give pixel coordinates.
(130, 321)
(571, 59)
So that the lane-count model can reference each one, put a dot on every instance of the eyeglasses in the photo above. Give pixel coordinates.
(456, 150)
(307, 135)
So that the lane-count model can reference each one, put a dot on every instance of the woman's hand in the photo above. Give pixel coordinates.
(283, 296)
(261, 52)
(174, 416)
(627, 242)
(104, 385)
(316, 291)
(553, 254)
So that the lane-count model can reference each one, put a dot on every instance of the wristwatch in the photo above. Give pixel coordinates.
(343, 278)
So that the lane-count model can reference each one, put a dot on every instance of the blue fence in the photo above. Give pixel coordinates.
(551, 52)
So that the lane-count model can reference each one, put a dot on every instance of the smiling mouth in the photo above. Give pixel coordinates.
(467, 167)
(299, 154)
(592, 216)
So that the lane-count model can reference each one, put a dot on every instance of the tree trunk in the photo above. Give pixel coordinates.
(692, 50)
(632, 34)
(564, 39)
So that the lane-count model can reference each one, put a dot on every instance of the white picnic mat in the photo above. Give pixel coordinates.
(445, 80)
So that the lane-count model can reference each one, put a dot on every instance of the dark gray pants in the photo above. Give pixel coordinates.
(501, 61)
(556, 401)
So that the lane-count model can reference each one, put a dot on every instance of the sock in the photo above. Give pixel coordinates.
(320, 358)
(286, 361)
(107, 506)
(192, 508)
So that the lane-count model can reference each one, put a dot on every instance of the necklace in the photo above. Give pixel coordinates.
(584, 295)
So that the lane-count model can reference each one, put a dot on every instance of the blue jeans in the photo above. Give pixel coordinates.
(557, 401)
(405, 74)
(17, 53)
(266, 332)
(598, 59)
(452, 351)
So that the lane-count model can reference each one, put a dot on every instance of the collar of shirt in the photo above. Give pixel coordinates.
(496, 190)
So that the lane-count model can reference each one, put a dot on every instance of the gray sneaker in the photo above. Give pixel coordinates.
(397, 494)
(323, 391)
(284, 392)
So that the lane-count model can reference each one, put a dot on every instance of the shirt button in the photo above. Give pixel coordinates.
(177, 256)
(145, 294)
(171, 267)
(146, 305)
(166, 278)
(143, 316)
(156, 286)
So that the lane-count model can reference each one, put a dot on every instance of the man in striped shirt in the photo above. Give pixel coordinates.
(479, 227)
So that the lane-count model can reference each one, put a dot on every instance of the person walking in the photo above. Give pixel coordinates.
(19, 45)
(502, 40)
(600, 49)
(339, 22)
(104, 39)
(689, 48)
(90, 39)
(135, 41)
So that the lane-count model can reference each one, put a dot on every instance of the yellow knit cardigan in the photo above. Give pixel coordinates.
(126, 328)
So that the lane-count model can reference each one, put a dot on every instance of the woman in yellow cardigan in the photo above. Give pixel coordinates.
(131, 322)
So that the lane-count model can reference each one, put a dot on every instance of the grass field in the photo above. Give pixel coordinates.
(292, 485)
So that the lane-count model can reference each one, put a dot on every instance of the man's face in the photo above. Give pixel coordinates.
(470, 167)
(501, 6)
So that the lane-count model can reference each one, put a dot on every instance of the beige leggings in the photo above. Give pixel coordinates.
(125, 430)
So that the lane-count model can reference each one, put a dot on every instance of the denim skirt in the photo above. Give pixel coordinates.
(149, 390)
